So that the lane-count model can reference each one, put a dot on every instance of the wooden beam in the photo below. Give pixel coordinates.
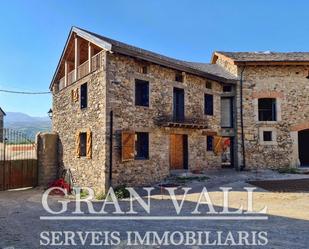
(90, 53)
(76, 55)
(66, 71)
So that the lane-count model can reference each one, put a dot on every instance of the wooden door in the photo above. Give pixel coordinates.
(176, 151)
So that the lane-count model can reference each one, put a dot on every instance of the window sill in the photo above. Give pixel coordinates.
(267, 122)
(141, 159)
(142, 106)
(269, 143)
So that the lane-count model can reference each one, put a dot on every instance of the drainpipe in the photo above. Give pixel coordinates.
(243, 166)
(110, 148)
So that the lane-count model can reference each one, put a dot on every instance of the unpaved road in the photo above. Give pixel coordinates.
(287, 224)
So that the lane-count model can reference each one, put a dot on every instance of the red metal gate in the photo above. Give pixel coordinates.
(18, 160)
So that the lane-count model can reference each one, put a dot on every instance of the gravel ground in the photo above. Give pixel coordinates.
(286, 227)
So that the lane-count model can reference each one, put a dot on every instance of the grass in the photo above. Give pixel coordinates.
(186, 179)
(288, 170)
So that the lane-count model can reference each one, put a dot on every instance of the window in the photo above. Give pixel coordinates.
(267, 109)
(267, 136)
(83, 143)
(178, 104)
(144, 69)
(226, 112)
(141, 93)
(210, 140)
(227, 88)
(141, 145)
(83, 96)
(208, 85)
(179, 77)
(208, 104)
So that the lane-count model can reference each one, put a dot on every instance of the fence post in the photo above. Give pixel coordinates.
(47, 151)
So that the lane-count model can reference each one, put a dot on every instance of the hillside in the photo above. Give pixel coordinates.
(26, 124)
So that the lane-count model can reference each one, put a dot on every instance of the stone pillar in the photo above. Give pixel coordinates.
(294, 156)
(47, 150)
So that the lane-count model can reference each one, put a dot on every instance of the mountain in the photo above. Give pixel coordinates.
(26, 124)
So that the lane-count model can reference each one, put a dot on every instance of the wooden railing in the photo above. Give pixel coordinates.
(82, 70)
(61, 83)
(96, 62)
(71, 77)
(186, 122)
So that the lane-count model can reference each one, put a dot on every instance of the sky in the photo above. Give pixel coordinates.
(33, 34)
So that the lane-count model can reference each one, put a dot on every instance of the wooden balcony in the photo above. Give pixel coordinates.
(82, 70)
(187, 123)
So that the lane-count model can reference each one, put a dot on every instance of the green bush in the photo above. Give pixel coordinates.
(185, 179)
(288, 170)
(121, 192)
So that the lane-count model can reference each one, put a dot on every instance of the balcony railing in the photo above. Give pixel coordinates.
(187, 122)
(61, 83)
(71, 77)
(82, 70)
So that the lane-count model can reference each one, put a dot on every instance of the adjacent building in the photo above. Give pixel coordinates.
(275, 95)
(129, 116)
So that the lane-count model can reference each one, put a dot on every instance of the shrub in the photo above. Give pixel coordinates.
(121, 192)
(288, 170)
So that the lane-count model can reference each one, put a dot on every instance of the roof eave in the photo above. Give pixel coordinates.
(265, 63)
(98, 42)
(169, 64)
(1, 110)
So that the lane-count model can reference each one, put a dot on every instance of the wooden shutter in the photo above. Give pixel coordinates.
(89, 144)
(218, 145)
(77, 143)
(128, 145)
(74, 95)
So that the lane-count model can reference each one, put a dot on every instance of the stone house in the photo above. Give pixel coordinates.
(2, 114)
(129, 116)
(275, 93)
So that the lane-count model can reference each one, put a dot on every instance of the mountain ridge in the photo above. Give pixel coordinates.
(28, 125)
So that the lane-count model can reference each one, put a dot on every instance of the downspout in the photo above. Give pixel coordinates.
(110, 148)
(243, 166)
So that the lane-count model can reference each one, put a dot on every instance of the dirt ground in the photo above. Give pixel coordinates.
(287, 214)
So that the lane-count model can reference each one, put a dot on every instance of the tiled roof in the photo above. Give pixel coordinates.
(211, 71)
(267, 56)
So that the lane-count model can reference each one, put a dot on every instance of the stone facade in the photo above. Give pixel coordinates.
(111, 88)
(288, 84)
(68, 118)
(122, 72)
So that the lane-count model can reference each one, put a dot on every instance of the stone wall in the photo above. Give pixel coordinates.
(68, 118)
(122, 72)
(47, 149)
(289, 85)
